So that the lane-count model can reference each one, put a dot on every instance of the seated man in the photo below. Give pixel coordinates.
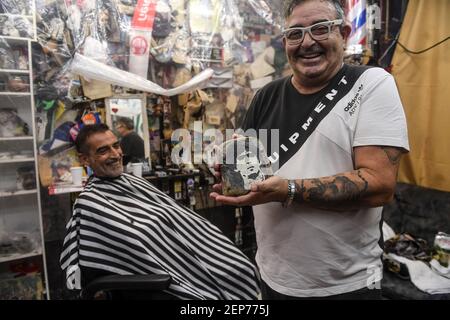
(124, 225)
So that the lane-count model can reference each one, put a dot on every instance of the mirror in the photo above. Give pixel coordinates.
(134, 108)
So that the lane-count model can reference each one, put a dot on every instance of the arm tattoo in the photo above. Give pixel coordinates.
(393, 155)
(366, 184)
(336, 189)
(299, 191)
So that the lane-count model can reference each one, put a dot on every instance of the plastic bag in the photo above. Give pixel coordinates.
(11, 125)
(405, 245)
(16, 20)
(267, 10)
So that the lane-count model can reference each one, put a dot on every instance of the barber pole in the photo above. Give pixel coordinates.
(356, 15)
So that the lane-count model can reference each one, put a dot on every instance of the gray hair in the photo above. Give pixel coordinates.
(127, 122)
(289, 6)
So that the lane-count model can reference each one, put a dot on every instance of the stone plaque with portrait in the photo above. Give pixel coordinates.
(243, 162)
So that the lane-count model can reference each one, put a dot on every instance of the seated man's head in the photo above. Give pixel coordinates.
(99, 149)
(124, 126)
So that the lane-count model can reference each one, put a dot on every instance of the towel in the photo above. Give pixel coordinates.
(441, 270)
(423, 277)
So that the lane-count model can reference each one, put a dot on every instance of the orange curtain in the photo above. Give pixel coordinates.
(424, 84)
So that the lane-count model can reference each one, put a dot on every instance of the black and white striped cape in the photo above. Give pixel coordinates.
(127, 226)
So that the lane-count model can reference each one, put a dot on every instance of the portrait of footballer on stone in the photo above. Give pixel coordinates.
(243, 162)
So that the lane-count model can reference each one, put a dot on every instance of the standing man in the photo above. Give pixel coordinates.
(131, 143)
(342, 131)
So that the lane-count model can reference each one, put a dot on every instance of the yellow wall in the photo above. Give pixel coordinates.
(424, 84)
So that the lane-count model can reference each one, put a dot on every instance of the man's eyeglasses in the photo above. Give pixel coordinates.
(318, 31)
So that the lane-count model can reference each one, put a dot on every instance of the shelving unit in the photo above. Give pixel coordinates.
(21, 228)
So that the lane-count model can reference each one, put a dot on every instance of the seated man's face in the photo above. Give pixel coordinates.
(105, 155)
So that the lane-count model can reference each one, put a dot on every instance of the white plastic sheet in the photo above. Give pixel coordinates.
(92, 69)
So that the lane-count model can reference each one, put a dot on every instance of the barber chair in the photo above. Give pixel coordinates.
(128, 287)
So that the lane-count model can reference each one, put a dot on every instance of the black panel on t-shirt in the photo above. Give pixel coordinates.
(279, 105)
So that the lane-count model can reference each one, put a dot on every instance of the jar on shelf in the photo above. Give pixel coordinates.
(18, 84)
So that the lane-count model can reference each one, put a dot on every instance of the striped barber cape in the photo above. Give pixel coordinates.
(126, 225)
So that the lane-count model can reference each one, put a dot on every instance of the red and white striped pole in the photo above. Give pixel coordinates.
(356, 15)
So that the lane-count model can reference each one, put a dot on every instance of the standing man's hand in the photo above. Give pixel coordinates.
(274, 189)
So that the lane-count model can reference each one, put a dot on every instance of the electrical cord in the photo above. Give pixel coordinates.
(406, 49)
(388, 48)
(424, 50)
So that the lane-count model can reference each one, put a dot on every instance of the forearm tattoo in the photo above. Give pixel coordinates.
(393, 155)
(336, 189)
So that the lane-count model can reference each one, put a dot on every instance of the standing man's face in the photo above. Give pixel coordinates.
(121, 129)
(313, 62)
(104, 156)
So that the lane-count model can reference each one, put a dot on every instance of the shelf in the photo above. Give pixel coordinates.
(7, 93)
(16, 138)
(20, 256)
(14, 71)
(61, 189)
(17, 160)
(17, 15)
(180, 176)
(16, 40)
(4, 194)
